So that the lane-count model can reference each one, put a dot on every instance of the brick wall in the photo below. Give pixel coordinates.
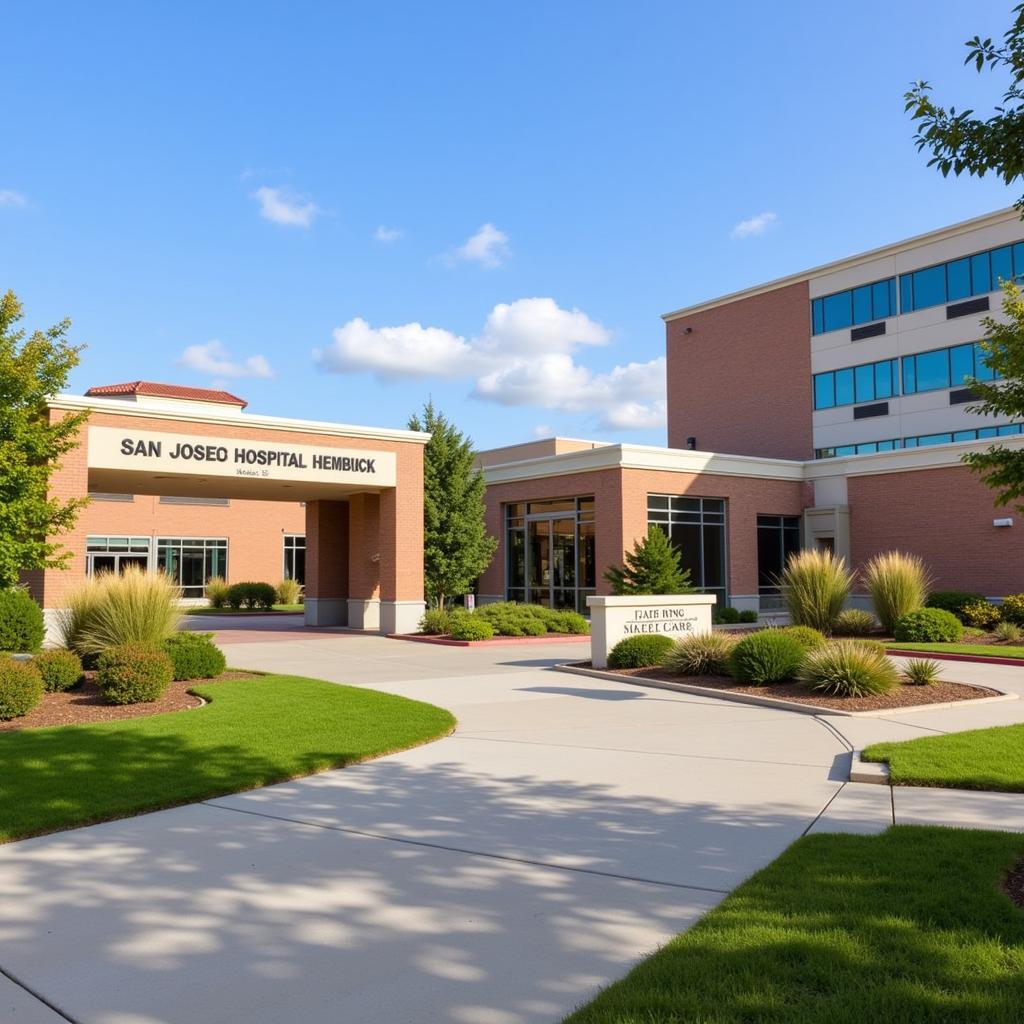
(945, 516)
(740, 381)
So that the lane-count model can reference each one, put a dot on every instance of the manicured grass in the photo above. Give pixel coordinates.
(984, 650)
(253, 732)
(907, 927)
(243, 611)
(978, 759)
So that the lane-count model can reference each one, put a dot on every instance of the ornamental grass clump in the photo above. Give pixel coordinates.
(701, 654)
(107, 611)
(815, 585)
(289, 592)
(848, 668)
(921, 672)
(853, 622)
(217, 592)
(769, 656)
(898, 584)
(643, 651)
(1008, 633)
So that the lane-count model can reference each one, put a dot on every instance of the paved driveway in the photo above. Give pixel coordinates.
(499, 876)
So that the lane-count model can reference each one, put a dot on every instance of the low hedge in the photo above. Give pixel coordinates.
(21, 622)
(929, 625)
(769, 656)
(511, 619)
(60, 669)
(470, 627)
(641, 651)
(194, 656)
(21, 688)
(133, 673)
(251, 595)
(953, 601)
(729, 616)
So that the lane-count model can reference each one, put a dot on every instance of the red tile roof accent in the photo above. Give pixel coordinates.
(145, 387)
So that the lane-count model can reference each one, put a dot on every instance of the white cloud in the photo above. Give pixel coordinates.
(387, 235)
(283, 206)
(213, 358)
(543, 430)
(523, 356)
(8, 197)
(488, 247)
(755, 225)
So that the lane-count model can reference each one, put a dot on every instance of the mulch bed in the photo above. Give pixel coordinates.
(86, 704)
(903, 697)
(1014, 884)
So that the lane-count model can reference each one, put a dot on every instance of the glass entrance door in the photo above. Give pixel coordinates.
(551, 562)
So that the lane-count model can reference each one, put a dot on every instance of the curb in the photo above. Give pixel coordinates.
(498, 641)
(773, 702)
(980, 659)
(874, 772)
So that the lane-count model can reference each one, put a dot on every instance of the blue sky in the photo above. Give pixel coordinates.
(336, 210)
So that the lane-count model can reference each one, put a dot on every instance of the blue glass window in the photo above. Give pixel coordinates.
(926, 439)
(961, 363)
(854, 306)
(932, 370)
(853, 384)
(981, 368)
(944, 367)
(965, 435)
(984, 432)
(961, 278)
(1007, 431)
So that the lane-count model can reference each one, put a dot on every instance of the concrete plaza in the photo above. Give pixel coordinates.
(500, 876)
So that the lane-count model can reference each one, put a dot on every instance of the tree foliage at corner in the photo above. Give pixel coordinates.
(652, 567)
(961, 142)
(1003, 468)
(456, 545)
(32, 369)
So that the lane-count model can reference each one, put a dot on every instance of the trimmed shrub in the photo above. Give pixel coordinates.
(952, 600)
(195, 656)
(848, 668)
(980, 615)
(436, 622)
(748, 615)
(470, 627)
(809, 639)
(59, 669)
(726, 616)
(768, 656)
(571, 623)
(510, 619)
(898, 583)
(21, 688)
(1012, 609)
(133, 673)
(1008, 632)
(929, 625)
(640, 651)
(251, 595)
(701, 654)
(21, 622)
(288, 592)
(217, 592)
(815, 585)
(107, 611)
(921, 672)
(853, 622)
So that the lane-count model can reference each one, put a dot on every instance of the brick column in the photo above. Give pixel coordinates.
(401, 546)
(364, 561)
(327, 563)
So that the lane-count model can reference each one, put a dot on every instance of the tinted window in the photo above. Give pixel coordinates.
(958, 279)
(932, 370)
(838, 311)
(930, 287)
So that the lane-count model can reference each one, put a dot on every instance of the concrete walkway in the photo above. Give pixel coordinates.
(500, 876)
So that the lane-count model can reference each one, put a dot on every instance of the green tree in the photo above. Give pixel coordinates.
(31, 370)
(961, 142)
(652, 567)
(456, 546)
(1003, 468)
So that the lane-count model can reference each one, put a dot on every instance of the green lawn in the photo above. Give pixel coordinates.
(985, 650)
(243, 611)
(253, 732)
(978, 759)
(907, 927)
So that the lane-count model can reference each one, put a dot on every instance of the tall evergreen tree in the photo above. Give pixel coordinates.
(652, 567)
(456, 546)
(31, 370)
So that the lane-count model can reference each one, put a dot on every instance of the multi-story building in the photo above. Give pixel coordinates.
(826, 408)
